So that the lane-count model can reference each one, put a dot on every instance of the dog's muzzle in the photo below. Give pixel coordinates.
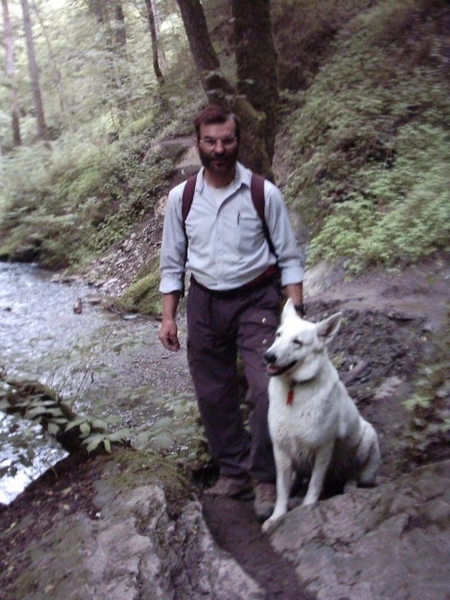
(272, 370)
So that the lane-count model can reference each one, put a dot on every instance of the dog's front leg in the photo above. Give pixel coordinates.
(321, 461)
(284, 472)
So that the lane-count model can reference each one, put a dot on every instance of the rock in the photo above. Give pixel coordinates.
(129, 546)
(78, 306)
(387, 388)
(392, 541)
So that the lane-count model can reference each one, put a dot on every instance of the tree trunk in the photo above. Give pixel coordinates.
(254, 151)
(111, 19)
(123, 74)
(34, 73)
(11, 73)
(53, 61)
(216, 87)
(256, 61)
(151, 21)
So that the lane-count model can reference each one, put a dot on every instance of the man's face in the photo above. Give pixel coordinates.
(218, 147)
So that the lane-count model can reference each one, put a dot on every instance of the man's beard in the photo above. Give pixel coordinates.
(219, 163)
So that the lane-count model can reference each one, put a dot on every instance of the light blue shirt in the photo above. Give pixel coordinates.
(227, 247)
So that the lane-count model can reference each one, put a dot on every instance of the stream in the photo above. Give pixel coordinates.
(109, 366)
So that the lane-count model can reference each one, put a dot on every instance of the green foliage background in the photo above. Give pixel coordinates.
(363, 149)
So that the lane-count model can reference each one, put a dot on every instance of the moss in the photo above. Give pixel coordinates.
(143, 296)
(157, 469)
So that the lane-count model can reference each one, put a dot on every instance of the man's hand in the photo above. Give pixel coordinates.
(168, 335)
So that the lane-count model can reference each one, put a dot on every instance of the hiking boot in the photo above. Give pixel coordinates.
(240, 488)
(264, 503)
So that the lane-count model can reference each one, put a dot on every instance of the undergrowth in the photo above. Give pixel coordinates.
(79, 198)
(365, 144)
(370, 145)
(428, 435)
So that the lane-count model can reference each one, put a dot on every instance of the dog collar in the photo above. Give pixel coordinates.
(290, 396)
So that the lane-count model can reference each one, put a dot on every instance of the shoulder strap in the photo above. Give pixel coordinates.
(186, 202)
(257, 191)
(188, 196)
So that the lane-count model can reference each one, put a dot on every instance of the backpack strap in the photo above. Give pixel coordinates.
(257, 192)
(188, 196)
(186, 202)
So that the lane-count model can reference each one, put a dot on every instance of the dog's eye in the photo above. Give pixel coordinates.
(298, 343)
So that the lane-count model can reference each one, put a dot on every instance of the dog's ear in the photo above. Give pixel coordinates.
(288, 310)
(328, 328)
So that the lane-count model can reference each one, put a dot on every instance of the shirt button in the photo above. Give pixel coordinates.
(264, 320)
(264, 342)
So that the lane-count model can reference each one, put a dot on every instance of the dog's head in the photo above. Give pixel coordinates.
(300, 345)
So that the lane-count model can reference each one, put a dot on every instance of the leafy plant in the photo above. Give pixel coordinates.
(368, 146)
(428, 434)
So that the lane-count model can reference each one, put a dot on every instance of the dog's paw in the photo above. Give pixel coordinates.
(272, 522)
(350, 486)
(268, 525)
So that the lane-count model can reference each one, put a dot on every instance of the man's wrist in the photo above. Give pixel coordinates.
(300, 309)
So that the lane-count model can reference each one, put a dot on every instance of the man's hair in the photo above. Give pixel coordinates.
(216, 114)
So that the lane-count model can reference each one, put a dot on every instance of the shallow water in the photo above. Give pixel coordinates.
(101, 364)
(40, 338)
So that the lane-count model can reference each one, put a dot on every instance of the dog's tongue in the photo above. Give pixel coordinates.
(271, 370)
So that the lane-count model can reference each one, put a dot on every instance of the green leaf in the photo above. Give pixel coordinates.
(85, 428)
(60, 420)
(93, 441)
(75, 423)
(99, 424)
(35, 412)
(53, 428)
(119, 436)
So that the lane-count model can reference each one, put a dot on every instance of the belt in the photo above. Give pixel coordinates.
(270, 275)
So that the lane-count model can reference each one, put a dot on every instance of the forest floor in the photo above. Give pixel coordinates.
(390, 321)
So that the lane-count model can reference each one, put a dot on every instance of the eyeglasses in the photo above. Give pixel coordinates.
(227, 142)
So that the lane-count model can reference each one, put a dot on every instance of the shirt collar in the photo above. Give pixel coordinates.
(242, 177)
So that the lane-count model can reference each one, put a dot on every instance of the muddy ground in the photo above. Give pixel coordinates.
(390, 322)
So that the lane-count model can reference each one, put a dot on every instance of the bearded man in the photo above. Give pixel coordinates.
(233, 304)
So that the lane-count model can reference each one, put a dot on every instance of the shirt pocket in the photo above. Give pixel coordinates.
(249, 233)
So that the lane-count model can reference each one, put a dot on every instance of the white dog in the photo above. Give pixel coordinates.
(313, 422)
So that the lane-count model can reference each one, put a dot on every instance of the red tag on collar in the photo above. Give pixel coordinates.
(290, 397)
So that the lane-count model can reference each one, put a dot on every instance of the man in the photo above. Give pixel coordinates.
(233, 303)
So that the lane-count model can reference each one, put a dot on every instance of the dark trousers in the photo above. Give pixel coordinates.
(219, 327)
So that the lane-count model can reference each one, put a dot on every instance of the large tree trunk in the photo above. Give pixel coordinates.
(253, 150)
(53, 61)
(216, 87)
(256, 60)
(34, 73)
(111, 19)
(10, 72)
(123, 75)
(151, 22)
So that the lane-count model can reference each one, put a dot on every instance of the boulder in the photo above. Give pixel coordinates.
(390, 542)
